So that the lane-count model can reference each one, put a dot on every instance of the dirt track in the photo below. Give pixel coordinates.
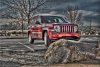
(76, 65)
(67, 65)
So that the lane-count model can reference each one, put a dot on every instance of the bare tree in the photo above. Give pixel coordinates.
(73, 14)
(24, 8)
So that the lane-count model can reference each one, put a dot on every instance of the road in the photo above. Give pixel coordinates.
(37, 49)
(21, 44)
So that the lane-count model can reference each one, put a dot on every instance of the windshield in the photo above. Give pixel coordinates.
(53, 19)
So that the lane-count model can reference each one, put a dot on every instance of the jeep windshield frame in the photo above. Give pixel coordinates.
(53, 19)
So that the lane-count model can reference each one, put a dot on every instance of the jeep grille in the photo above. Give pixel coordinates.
(67, 28)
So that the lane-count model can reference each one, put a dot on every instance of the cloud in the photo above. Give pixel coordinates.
(88, 13)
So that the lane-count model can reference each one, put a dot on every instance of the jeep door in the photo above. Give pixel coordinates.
(37, 28)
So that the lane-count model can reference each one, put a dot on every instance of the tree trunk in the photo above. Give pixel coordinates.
(28, 18)
(22, 27)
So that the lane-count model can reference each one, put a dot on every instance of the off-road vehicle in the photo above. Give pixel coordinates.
(50, 28)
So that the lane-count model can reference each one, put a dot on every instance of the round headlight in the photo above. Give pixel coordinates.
(57, 28)
(75, 28)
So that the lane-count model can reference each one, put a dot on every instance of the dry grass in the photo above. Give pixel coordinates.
(67, 65)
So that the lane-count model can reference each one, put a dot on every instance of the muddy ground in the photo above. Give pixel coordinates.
(13, 54)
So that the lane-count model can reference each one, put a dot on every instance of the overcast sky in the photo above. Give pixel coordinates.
(89, 8)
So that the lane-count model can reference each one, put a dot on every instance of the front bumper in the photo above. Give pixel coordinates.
(55, 35)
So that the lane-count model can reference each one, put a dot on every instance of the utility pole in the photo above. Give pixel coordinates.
(90, 25)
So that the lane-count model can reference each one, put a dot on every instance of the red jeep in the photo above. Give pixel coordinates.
(51, 27)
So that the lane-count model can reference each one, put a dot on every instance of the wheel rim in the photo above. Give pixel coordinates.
(45, 38)
(29, 38)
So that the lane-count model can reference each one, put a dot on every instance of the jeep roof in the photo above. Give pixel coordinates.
(49, 15)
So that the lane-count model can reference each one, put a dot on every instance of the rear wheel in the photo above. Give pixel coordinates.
(30, 39)
(47, 41)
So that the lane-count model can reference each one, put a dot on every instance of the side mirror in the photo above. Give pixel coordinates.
(37, 22)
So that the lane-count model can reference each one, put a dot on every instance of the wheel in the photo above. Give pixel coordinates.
(30, 39)
(47, 41)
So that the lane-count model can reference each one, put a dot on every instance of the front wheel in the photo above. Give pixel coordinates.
(47, 41)
(30, 39)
